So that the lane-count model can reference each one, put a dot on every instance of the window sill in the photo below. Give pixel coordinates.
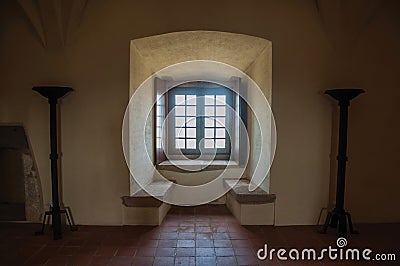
(195, 165)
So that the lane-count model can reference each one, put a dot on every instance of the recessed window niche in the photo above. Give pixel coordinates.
(249, 54)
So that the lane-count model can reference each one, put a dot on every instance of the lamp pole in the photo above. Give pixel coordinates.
(53, 94)
(338, 215)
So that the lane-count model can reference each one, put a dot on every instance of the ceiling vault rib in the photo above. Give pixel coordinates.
(31, 10)
(54, 21)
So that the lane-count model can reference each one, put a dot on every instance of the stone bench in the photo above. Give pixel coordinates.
(143, 208)
(249, 207)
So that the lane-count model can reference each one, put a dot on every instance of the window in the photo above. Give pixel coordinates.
(200, 117)
(197, 118)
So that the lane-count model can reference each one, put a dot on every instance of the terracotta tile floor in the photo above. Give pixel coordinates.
(205, 235)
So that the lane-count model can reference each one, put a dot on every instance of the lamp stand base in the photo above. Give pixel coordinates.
(49, 213)
(338, 217)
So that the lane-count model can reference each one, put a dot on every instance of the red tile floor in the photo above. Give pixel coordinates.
(205, 235)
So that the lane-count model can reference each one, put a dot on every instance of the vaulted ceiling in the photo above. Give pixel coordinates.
(54, 21)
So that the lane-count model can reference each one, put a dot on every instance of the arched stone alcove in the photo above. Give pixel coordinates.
(251, 55)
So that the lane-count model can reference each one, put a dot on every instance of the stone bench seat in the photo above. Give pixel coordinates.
(142, 198)
(249, 207)
(147, 208)
(241, 193)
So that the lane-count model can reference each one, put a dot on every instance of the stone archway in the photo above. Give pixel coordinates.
(20, 165)
(249, 54)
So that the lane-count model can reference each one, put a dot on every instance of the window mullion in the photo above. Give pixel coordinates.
(200, 115)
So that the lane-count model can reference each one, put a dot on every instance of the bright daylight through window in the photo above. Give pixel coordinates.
(200, 118)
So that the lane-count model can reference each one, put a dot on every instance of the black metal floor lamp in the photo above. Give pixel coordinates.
(338, 215)
(53, 94)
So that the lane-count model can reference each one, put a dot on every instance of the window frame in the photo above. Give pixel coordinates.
(239, 146)
(200, 92)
